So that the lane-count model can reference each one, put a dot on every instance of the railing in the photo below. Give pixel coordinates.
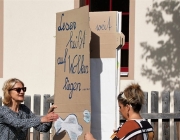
(154, 116)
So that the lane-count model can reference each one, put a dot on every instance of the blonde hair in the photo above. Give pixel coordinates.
(132, 95)
(8, 85)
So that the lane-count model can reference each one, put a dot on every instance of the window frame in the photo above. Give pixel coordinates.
(127, 74)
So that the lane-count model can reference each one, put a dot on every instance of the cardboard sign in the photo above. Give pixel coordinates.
(106, 40)
(72, 74)
(106, 34)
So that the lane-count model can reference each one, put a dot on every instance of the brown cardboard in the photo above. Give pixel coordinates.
(104, 37)
(106, 41)
(103, 22)
(72, 68)
(103, 45)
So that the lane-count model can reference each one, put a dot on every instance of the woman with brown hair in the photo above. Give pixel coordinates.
(16, 118)
(135, 128)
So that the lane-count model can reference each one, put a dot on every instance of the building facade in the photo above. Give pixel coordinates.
(27, 43)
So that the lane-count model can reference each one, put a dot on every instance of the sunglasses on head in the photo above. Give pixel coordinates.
(19, 89)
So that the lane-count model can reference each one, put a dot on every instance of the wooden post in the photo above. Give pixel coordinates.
(165, 122)
(144, 108)
(37, 106)
(176, 109)
(46, 136)
(27, 102)
(154, 109)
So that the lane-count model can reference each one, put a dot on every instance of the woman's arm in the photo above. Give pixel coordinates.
(28, 120)
(44, 126)
(46, 121)
(11, 119)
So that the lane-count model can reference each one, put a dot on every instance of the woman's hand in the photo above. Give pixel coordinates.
(51, 109)
(50, 117)
(89, 136)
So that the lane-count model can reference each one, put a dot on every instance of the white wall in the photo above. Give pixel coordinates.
(103, 90)
(145, 33)
(29, 42)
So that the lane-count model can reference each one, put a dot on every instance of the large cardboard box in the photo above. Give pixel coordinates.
(72, 74)
(106, 41)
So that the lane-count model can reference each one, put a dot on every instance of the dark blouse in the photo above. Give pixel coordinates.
(14, 126)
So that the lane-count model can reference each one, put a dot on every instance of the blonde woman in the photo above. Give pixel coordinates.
(135, 128)
(16, 118)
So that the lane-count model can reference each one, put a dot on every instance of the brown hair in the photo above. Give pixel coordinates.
(8, 85)
(133, 95)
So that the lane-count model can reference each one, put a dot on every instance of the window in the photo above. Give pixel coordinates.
(124, 6)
